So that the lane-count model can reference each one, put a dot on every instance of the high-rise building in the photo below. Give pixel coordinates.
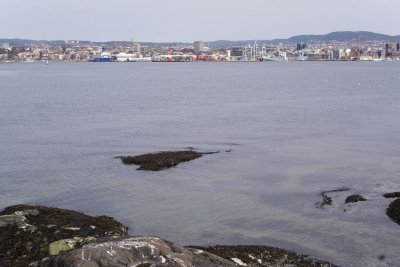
(136, 47)
(301, 46)
(198, 46)
(387, 50)
(398, 47)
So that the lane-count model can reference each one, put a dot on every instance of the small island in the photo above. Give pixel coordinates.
(162, 160)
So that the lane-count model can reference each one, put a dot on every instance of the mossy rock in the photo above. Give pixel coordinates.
(27, 232)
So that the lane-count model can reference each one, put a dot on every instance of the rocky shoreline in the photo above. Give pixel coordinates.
(33, 235)
(39, 236)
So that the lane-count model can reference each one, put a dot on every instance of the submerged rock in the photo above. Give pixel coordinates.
(162, 160)
(264, 256)
(29, 233)
(354, 198)
(392, 195)
(393, 211)
(326, 199)
(135, 251)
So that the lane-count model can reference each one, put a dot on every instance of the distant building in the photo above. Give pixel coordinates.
(301, 46)
(236, 52)
(5, 46)
(336, 54)
(395, 55)
(398, 47)
(136, 47)
(387, 50)
(198, 46)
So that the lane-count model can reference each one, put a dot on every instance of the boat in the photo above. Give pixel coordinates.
(271, 57)
(103, 57)
(124, 57)
(302, 57)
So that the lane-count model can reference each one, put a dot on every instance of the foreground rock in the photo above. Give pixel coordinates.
(136, 251)
(264, 256)
(393, 211)
(32, 235)
(155, 252)
(28, 233)
(162, 160)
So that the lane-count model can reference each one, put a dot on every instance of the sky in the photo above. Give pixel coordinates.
(188, 20)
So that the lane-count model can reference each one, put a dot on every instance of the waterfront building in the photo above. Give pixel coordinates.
(395, 55)
(198, 46)
(237, 52)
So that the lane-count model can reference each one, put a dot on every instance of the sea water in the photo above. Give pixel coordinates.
(286, 131)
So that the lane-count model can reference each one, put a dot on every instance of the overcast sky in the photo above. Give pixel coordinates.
(188, 20)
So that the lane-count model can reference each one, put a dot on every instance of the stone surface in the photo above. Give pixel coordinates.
(136, 251)
(393, 211)
(392, 195)
(354, 198)
(161, 160)
(260, 256)
(27, 232)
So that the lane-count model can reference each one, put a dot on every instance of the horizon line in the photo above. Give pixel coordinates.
(187, 42)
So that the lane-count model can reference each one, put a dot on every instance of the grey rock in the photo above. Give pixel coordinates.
(136, 251)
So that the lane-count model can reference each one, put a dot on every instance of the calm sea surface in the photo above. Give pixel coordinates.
(294, 129)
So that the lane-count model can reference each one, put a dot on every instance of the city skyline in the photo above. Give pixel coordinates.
(177, 21)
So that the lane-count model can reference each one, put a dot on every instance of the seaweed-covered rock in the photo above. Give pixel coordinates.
(354, 198)
(393, 211)
(392, 195)
(264, 256)
(29, 233)
(326, 199)
(136, 251)
(161, 160)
